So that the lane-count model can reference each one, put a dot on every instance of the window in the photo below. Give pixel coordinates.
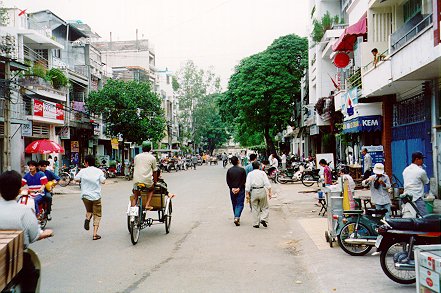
(411, 8)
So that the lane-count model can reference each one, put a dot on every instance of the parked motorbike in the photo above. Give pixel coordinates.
(292, 174)
(111, 172)
(67, 175)
(397, 240)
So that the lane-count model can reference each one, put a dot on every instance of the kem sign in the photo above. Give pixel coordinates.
(372, 122)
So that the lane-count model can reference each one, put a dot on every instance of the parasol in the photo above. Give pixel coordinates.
(44, 146)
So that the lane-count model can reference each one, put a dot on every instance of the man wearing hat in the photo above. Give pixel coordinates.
(414, 179)
(379, 183)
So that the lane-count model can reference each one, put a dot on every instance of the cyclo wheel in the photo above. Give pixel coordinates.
(64, 180)
(135, 226)
(388, 264)
(348, 232)
(308, 180)
(167, 217)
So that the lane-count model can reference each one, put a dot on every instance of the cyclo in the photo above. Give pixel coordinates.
(137, 216)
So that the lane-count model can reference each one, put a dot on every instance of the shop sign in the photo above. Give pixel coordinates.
(48, 110)
(96, 129)
(114, 142)
(376, 152)
(64, 132)
(363, 124)
(75, 146)
(314, 130)
(26, 129)
(349, 100)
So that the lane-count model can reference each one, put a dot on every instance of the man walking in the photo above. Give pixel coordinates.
(415, 177)
(249, 167)
(255, 187)
(367, 162)
(283, 161)
(90, 178)
(236, 177)
(194, 160)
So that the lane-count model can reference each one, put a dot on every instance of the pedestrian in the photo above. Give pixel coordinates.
(283, 161)
(327, 172)
(56, 166)
(50, 167)
(145, 166)
(236, 178)
(379, 183)
(258, 190)
(194, 160)
(367, 162)
(90, 178)
(249, 167)
(415, 177)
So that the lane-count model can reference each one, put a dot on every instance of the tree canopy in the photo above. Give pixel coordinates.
(130, 109)
(263, 89)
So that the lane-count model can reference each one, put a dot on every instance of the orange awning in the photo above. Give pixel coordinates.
(346, 41)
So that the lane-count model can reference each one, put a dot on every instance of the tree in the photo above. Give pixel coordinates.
(129, 109)
(191, 86)
(210, 130)
(262, 91)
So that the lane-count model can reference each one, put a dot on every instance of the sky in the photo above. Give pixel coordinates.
(212, 33)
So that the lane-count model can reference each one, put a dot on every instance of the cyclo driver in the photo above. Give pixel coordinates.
(144, 167)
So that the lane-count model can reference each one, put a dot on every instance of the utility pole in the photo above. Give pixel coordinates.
(7, 120)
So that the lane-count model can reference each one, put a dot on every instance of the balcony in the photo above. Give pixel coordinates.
(410, 30)
(39, 86)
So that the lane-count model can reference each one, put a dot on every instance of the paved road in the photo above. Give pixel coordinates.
(204, 251)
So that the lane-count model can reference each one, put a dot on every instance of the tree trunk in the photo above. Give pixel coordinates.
(269, 141)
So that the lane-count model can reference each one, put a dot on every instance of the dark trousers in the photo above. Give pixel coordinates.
(48, 199)
(238, 202)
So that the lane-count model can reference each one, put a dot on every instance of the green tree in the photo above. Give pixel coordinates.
(262, 91)
(192, 85)
(210, 131)
(130, 109)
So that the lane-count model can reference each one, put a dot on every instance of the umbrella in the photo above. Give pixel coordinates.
(44, 146)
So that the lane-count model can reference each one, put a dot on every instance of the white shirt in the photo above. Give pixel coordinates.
(283, 159)
(91, 177)
(15, 216)
(351, 182)
(274, 163)
(51, 165)
(257, 178)
(414, 179)
(367, 160)
(145, 164)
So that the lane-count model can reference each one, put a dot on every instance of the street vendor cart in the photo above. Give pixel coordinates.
(334, 201)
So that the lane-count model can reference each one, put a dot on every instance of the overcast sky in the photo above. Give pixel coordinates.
(216, 33)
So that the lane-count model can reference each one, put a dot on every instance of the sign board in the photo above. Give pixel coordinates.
(349, 100)
(363, 124)
(48, 110)
(114, 142)
(313, 130)
(26, 129)
(376, 152)
(75, 158)
(329, 157)
(75, 146)
(64, 132)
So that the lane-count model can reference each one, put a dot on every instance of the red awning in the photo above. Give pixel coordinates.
(346, 41)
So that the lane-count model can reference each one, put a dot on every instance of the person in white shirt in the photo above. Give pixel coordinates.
(50, 167)
(415, 177)
(145, 165)
(256, 188)
(367, 164)
(344, 174)
(379, 183)
(90, 178)
(283, 161)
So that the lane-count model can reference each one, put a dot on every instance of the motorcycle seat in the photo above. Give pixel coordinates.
(353, 212)
(410, 224)
(379, 212)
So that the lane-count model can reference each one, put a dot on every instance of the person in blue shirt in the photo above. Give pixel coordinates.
(249, 167)
(35, 180)
(48, 193)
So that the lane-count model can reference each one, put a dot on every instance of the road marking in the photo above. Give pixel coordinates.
(316, 228)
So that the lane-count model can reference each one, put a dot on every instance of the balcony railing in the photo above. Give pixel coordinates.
(410, 34)
(381, 57)
(35, 57)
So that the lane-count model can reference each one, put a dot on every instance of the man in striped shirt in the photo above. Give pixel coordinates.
(35, 180)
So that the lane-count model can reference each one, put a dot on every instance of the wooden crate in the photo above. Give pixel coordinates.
(11, 255)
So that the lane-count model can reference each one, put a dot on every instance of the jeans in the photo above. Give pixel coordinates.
(238, 202)
(386, 207)
(421, 205)
(48, 199)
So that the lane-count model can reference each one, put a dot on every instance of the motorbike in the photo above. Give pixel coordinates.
(26, 198)
(111, 172)
(397, 239)
(311, 175)
(293, 174)
(129, 175)
(67, 175)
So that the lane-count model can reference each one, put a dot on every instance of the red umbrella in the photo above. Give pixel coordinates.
(44, 146)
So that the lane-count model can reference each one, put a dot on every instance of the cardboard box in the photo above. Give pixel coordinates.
(157, 202)
(11, 255)
(430, 260)
(429, 279)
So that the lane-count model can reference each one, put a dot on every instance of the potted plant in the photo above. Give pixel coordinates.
(57, 78)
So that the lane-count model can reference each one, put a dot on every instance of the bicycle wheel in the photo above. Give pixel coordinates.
(64, 180)
(387, 261)
(349, 231)
(135, 225)
(308, 180)
(167, 218)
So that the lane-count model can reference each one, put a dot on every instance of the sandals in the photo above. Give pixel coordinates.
(96, 237)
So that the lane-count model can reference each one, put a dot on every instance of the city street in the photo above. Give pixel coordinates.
(204, 251)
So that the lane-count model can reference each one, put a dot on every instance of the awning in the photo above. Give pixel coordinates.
(346, 41)
(363, 124)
